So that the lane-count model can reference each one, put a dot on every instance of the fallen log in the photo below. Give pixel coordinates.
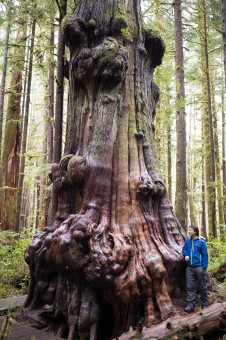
(198, 325)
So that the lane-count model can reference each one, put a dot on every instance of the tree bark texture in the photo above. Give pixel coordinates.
(57, 143)
(204, 227)
(181, 170)
(3, 81)
(224, 154)
(25, 130)
(219, 181)
(223, 10)
(10, 150)
(209, 322)
(169, 162)
(57, 150)
(113, 252)
(208, 138)
(223, 7)
(50, 115)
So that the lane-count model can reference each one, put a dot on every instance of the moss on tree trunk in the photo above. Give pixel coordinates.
(10, 150)
(113, 253)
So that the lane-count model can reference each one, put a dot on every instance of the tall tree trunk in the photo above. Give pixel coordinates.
(209, 156)
(25, 129)
(204, 212)
(113, 253)
(223, 9)
(57, 151)
(57, 145)
(181, 171)
(169, 163)
(224, 154)
(51, 96)
(192, 170)
(219, 182)
(3, 81)
(10, 148)
(2, 98)
(223, 6)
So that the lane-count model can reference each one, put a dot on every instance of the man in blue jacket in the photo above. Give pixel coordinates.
(196, 255)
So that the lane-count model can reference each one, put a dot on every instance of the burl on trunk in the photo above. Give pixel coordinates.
(113, 253)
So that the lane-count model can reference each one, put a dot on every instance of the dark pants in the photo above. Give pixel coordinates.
(196, 278)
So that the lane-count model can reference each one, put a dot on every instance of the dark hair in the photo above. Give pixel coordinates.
(196, 229)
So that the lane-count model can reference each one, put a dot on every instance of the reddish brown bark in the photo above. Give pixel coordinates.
(113, 253)
(10, 150)
(209, 322)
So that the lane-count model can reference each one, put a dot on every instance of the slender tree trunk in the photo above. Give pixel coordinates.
(3, 81)
(10, 148)
(224, 154)
(57, 151)
(113, 253)
(223, 9)
(169, 163)
(181, 171)
(219, 182)
(204, 228)
(207, 123)
(25, 129)
(51, 96)
(57, 145)
(2, 97)
(192, 170)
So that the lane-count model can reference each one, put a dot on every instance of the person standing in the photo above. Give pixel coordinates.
(196, 255)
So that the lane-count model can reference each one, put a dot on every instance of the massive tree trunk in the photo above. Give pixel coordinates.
(113, 252)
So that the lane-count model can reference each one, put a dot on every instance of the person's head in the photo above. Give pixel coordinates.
(193, 231)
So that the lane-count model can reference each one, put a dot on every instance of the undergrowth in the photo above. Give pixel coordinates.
(217, 255)
(14, 272)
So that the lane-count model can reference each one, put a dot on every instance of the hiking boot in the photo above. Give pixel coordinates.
(205, 306)
(189, 308)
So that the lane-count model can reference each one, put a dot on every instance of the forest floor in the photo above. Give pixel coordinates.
(23, 331)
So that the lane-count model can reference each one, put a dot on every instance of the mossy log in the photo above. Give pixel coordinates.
(209, 322)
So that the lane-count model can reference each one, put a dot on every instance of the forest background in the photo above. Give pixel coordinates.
(189, 121)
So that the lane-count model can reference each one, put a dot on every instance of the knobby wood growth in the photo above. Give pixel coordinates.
(113, 252)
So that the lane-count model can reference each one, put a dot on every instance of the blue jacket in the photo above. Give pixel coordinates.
(197, 252)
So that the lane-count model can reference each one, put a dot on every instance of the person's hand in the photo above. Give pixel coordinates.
(186, 258)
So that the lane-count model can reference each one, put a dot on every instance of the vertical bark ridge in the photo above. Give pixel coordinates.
(110, 255)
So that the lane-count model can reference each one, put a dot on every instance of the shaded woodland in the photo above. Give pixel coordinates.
(107, 157)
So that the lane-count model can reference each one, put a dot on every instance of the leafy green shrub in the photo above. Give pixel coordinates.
(217, 255)
(14, 273)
